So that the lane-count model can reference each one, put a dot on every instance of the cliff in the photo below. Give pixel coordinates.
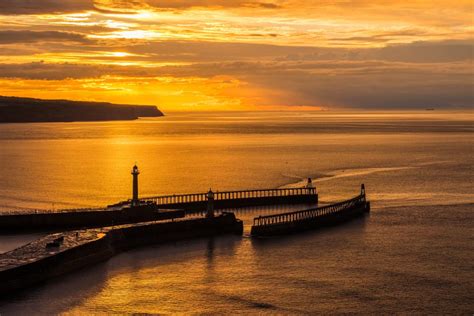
(18, 110)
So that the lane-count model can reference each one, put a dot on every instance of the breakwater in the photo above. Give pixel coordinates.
(291, 222)
(57, 254)
(151, 209)
(83, 218)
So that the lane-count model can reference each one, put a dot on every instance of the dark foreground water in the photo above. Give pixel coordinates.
(412, 255)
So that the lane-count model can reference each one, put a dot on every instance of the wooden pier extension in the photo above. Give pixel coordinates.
(194, 203)
(290, 222)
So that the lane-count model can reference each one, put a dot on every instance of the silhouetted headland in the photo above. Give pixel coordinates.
(24, 110)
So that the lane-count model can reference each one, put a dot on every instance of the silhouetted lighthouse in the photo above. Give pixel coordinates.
(135, 174)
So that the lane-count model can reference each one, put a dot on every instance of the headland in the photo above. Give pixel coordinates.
(27, 110)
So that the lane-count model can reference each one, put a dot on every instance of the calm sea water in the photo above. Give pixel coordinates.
(412, 255)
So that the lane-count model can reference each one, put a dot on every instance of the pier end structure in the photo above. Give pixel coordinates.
(313, 218)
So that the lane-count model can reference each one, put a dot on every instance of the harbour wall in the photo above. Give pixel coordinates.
(152, 209)
(82, 219)
(29, 274)
(104, 245)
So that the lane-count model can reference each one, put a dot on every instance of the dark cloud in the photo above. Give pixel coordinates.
(372, 85)
(17, 7)
(444, 51)
(180, 4)
(417, 52)
(199, 51)
(44, 6)
(10, 37)
(49, 71)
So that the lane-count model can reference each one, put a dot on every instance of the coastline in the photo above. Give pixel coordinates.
(29, 110)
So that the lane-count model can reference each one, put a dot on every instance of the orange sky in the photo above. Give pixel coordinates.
(236, 54)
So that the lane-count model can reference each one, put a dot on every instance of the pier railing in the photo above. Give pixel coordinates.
(309, 213)
(229, 195)
(198, 201)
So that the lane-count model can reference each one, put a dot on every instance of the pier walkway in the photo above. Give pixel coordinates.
(319, 216)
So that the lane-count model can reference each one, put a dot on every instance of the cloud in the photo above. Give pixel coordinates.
(18, 7)
(10, 36)
(185, 4)
(205, 51)
(357, 84)
(417, 52)
(56, 71)
(378, 85)
(440, 51)
(15, 7)
(194, 51)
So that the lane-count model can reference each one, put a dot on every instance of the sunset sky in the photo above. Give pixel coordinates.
(240, 54)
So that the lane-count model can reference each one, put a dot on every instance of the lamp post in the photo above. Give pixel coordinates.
(310, 186)
(135, 174)
(210, 204)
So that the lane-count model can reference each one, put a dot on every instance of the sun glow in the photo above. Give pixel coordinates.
(119, 54)
(134, 34)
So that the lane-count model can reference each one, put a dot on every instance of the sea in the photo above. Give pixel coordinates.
(413, 254)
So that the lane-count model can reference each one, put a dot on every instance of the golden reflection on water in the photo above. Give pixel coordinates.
(95, 172)
(87, 164)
